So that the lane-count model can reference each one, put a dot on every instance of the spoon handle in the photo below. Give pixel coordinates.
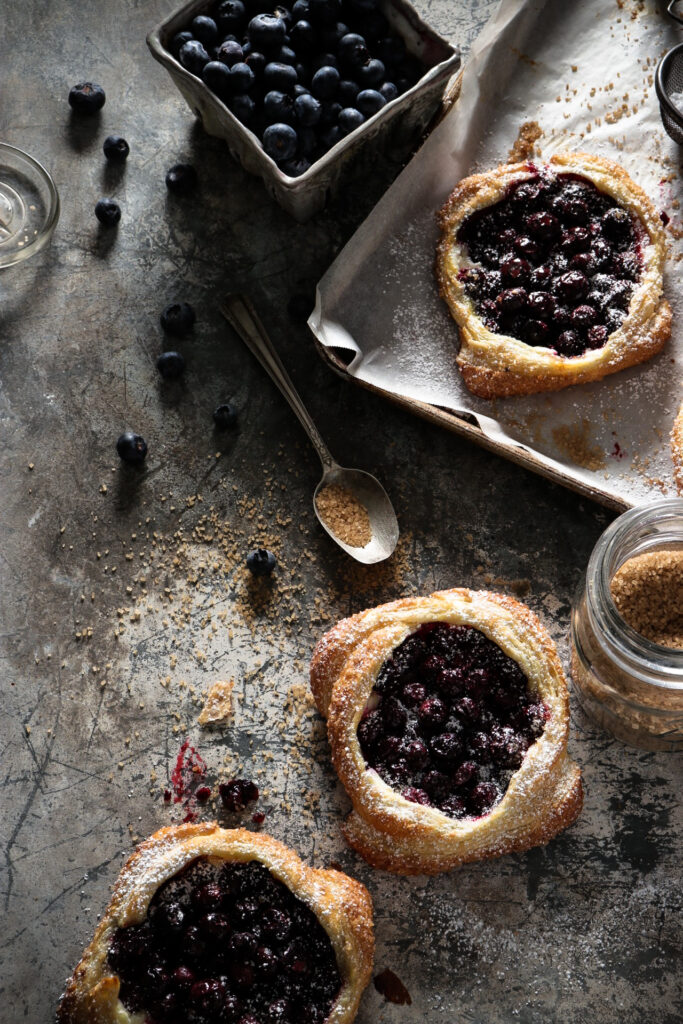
(242, 317)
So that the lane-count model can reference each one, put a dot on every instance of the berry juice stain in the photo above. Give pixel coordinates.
(189, 771)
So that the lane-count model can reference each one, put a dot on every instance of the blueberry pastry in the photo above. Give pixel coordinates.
(553, 274)
(225, 926)
(447, 717)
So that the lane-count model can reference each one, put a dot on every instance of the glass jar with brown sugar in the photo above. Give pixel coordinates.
(627, 628)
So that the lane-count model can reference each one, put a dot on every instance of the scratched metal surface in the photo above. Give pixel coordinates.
(586, 929)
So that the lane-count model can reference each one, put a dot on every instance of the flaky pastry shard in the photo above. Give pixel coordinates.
(343, 908)
(543, 796)
(498, 364)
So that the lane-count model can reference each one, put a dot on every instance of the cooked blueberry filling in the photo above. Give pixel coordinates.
(557, 263)
(449, 720)
(226, 943)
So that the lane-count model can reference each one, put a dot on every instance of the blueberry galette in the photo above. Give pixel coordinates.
(553, 274)
(219, 926)
(448, 719)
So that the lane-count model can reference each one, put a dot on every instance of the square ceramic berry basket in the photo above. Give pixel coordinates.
(405, 117)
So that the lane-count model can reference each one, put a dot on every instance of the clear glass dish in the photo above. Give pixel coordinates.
(626, 683)
(29, 206)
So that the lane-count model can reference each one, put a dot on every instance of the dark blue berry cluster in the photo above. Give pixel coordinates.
(226, 944)
(302, 76)
(450, 720)
(557, 263)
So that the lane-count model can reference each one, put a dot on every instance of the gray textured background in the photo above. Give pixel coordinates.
(584, 930)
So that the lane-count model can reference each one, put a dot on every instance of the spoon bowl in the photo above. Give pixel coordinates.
(368, 491)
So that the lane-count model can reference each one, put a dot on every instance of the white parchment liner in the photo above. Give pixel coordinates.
(584, 72)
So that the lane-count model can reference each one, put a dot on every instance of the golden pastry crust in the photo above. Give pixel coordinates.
(342, 905)
(496, 365)
(544, 795)
(677, 450)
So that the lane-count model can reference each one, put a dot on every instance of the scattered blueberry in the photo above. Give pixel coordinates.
(181, 179)
(225, 416)
(87, 98)
(171, 365)
(107, 212)
(178, 318)
(115, 148)
(261, 562)
(237, 793)
(131, 448)
(279, 141)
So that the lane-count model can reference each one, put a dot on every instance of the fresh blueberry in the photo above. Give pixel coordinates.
(295, 167)
(301, 10)
(87, 97)
(205, 30)
(225, 416)
(181, 179)
(267, 32)
(325, 82)
(243, 107)
(329, 113)
(131, 448)
(279, 76)
(279, 141)
(307, 109)
(302, 37)
(178, 318)
(389, 91)
(193, 56)
(260, 562)
(107, 212)
(218, 77)
(231, 15)
(171, 365)
(369, 101)
(178, 41)
(115, 149)
(230, 52)
(347, 92)
(371, 73)
(278, 107)
(300, 90)
(241, 77)
(257, 62)
(349, 118)
(352, 50)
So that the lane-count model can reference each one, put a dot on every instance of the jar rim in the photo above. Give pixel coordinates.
(660, 665)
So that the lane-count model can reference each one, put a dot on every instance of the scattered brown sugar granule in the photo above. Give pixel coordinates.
(344, 515)
(648, 593)
(575, 443)
(218, 704)
(523, 147)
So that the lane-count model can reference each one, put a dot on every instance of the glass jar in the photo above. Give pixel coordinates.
(626, 683)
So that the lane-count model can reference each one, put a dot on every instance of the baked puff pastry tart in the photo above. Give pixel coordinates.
(447, 718)
(553, 274)
(225, 926)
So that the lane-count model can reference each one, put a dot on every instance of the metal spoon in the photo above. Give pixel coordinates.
(242, 317)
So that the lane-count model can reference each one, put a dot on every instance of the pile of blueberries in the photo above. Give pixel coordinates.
(301, 77)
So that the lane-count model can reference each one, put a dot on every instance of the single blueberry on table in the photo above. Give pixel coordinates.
(307, 109)
(280, 141)
(278, 106)
(230, 52)
(225, 416)
(279, 76)
(369, 101)
(87, 97)
(181, 179)
(241, 77)
(131, 448)
(178, 41)
(115, 148)
(267, 32)
(205, 30)
(193, 56)
(349, 119)
(171, 365)
(107, 212)
(261, 562)
(178, 318)
(218, 78)
(325, 82)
